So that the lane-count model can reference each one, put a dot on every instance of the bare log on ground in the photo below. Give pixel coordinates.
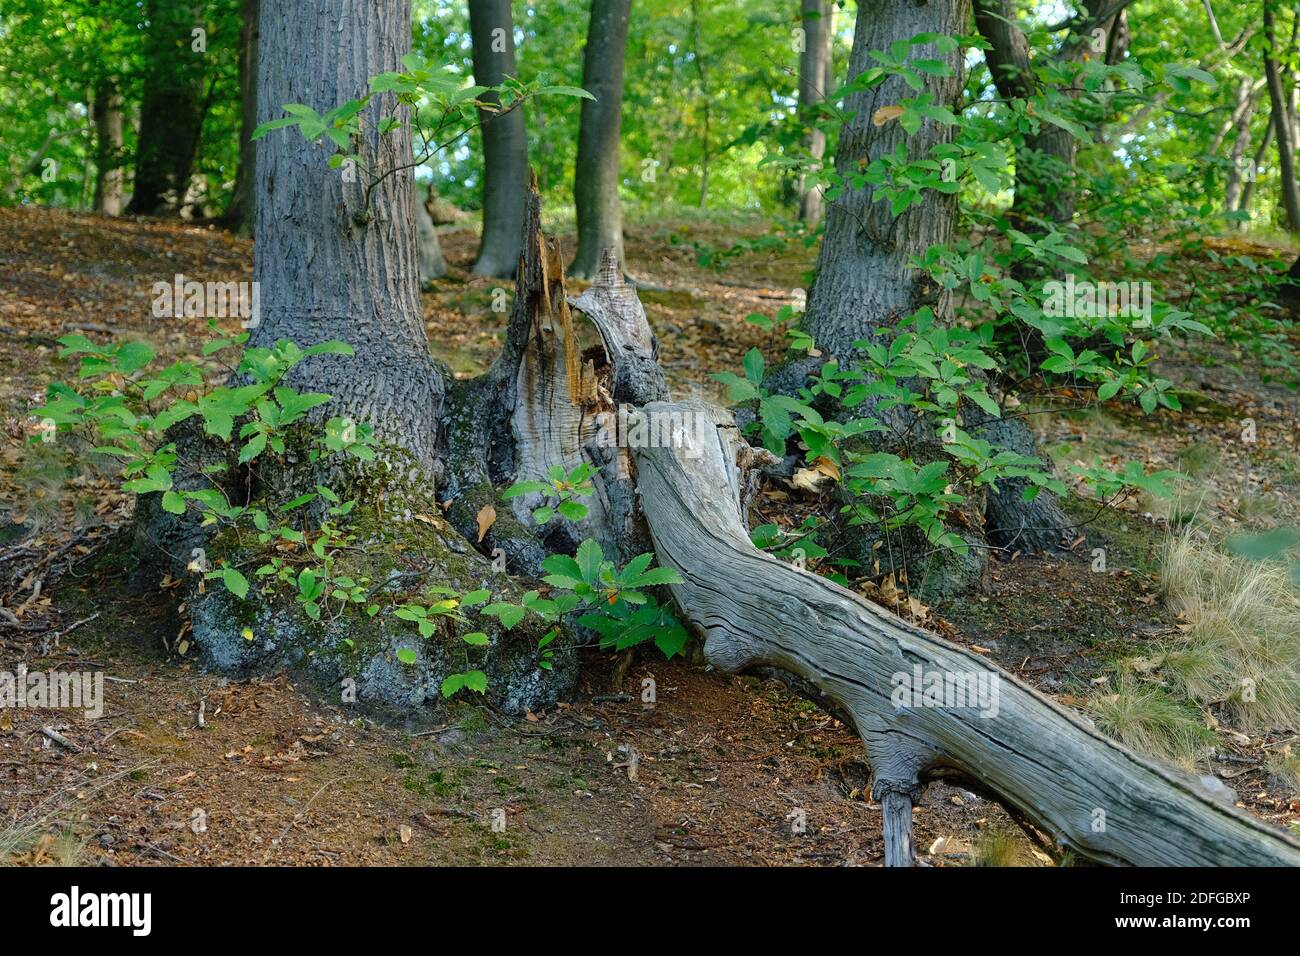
(1091, 794)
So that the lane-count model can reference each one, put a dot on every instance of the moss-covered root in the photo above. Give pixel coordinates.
(362, 656)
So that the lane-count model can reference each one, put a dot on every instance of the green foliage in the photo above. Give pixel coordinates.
(443, 109)
(561, 491)
(122, 405)
(613, 600)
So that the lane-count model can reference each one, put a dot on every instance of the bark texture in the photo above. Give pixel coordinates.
(323, 274)
(596, 173)
(865, 282)
(505, 142)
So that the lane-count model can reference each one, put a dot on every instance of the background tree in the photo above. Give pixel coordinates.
(239, 214)
(814, 85)
(505, 141)
(107, 109)
(597, 171)
(174, 104)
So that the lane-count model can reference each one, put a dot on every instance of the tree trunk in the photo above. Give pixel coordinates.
(1238, 171)
(505, 141)
(432, 264)
(1283, 129)
(329, 269)
(814, 67)
(865, 283)
(596, 174)
(327, 277)
(171, 112)
(705, 101)
(239, 214)
(108, 149)
(1248, 190)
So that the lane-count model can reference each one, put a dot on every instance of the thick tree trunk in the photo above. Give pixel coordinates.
(865, 283)
(172, 110)
(239, 215)
(814, 67)
(1089, 793)
(596, 174)
(108, 149)
(329, 277)
(330, 269)
(505, 141)
(1283, 128)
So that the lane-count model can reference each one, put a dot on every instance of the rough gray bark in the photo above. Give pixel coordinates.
(1094, 796)
(172, 109)
(505, 141)
(239, 215)
(108, 149)
(865, 283)
(814, 68)
(1283, 129)
(322, 274)
(596, 173)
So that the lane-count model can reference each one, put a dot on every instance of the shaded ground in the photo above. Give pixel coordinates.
(723, 770)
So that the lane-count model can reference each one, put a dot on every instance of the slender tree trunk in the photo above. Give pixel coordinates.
(322, 275)
(108, 149)
(172, 109)
(596, 175)
(239, 215)
(814, 68)
(1282, 125)
(1238, 171)
(1248, 190)
(432, 264)
(705, 101)
(505, 141)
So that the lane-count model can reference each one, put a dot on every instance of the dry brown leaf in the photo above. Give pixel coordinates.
(487, 517)
(806, 479)
(886, 113)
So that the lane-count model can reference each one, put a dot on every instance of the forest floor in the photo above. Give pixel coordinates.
(720, 770)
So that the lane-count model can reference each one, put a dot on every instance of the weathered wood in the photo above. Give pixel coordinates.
(1090, 793)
